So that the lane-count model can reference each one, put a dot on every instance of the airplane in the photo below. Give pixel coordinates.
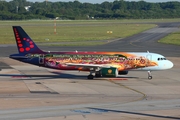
(99, 64)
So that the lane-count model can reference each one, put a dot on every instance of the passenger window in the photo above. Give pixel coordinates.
(158, 58)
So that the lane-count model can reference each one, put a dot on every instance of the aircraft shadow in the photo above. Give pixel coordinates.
(135, 113)
(56, 75)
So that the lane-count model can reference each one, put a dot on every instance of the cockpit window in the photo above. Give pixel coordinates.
(161, 59)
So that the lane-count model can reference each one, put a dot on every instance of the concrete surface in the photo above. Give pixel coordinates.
(45, 95)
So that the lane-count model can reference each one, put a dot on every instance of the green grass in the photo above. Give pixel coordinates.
(82, 30)
(43, 31)
(173, 38)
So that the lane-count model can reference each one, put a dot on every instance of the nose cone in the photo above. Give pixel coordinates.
(169, 64)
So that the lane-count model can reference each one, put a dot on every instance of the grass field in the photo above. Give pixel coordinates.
(43, 31)
(173, 38)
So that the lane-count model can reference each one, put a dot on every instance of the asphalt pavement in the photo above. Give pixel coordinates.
(34, 93)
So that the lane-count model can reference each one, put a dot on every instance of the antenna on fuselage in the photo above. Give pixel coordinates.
(76, 51)
(147, 51)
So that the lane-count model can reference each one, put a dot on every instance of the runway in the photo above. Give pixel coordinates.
(34, 93)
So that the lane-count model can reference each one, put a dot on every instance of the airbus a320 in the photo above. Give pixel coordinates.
(99, 64)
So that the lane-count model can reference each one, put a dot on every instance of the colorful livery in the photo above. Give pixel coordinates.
(106, 64)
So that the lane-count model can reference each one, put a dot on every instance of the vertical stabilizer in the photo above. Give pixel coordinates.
(25, 44)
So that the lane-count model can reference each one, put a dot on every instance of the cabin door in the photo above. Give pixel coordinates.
(41, 59)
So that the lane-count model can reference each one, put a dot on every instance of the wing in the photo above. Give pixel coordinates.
(89, 65)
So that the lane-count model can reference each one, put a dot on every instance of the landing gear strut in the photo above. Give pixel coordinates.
(90, 76)
(149, 75)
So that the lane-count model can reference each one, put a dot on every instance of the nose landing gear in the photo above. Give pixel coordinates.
(149, 75)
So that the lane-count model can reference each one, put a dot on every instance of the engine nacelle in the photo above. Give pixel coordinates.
(109, 72)
(123, 72)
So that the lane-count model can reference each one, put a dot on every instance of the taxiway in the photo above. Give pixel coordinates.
(34, 93)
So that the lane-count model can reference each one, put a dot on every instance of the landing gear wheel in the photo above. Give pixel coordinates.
(149, 77)
(90, 77)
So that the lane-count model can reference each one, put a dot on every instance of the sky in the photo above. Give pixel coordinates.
(98, 1)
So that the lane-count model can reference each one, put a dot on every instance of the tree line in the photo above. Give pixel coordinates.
(119, 9)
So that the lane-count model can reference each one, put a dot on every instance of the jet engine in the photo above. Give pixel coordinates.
(109, 72)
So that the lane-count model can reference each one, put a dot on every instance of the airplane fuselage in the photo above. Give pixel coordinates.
(120, 60)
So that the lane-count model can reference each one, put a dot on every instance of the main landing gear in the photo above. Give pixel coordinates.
(97, 74)
(90, 76)
(149, 75)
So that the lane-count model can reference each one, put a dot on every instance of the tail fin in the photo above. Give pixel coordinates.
(24, 43)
